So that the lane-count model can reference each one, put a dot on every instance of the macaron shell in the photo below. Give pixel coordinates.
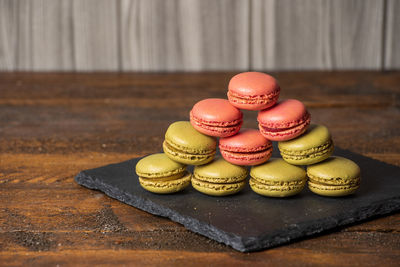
(219, 178)
(158, 165)
(335, 171)
(316, 135)
(213, 189)
(253, 90)
(286, 134)
(253, 84)
(311, 156)
(277, 178)
(183, 137)
(253, 103)
(334, 177)
(217, 131)
(186, 158)
(248, 147)
(165, 187)
(313, 146)
(216, 112)
(285, 114)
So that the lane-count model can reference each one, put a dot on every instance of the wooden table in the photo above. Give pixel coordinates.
(54, 125)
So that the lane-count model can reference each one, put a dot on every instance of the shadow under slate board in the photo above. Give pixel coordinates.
(250, 222)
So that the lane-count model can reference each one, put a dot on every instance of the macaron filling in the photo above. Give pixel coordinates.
(218, 128)
(253, 99)
(218, 186)
(270, 185)
(173, 149)
(174, 173)
(226, 189)
(334, 181)
(235, 122)
(215, 128)
(189, 150)
(256, 157)
(164, 178)
(219, 180)
(318, 151)
(297, 128)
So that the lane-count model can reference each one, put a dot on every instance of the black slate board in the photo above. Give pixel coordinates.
(250, 222)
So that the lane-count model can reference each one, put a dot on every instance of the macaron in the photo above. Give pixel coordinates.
(277, 178)
(334, 177)
(219, 178)
(186, 145)
(159, 174)
(253, 90)
(248, 147)
(313, 146)
(216, 117)
(284, 121)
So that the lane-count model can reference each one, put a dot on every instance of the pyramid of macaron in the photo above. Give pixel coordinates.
(306, 149)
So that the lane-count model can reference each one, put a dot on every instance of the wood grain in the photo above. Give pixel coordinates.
(45, 35)
(195, 35)
(95, 40)
(313, 34)
(392, 32)
(54, 125)
(184, 35)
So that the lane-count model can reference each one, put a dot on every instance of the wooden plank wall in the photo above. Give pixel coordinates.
(196, 35)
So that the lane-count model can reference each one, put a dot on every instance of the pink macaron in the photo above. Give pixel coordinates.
(284, 121)
(253, 91)
(216, 117)
(248, 147)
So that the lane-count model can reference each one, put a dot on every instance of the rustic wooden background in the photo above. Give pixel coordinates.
(52, 126)
(195, 35)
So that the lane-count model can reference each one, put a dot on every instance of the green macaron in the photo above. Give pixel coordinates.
(159, 174)
(334, 177)
(219, 178)
(313, 146)
(277, 178)
(186, 145)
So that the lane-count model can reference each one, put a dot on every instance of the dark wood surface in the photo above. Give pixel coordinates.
(54, 125)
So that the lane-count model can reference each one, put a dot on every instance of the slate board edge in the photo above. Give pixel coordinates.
(190, 223)
(307, 229)
(286, 235)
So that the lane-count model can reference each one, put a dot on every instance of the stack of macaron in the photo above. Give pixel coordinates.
(218, 121)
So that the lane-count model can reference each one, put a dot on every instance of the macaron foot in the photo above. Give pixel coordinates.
(332, 190)
(186, 158)
(165, 186)
(217, 189)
